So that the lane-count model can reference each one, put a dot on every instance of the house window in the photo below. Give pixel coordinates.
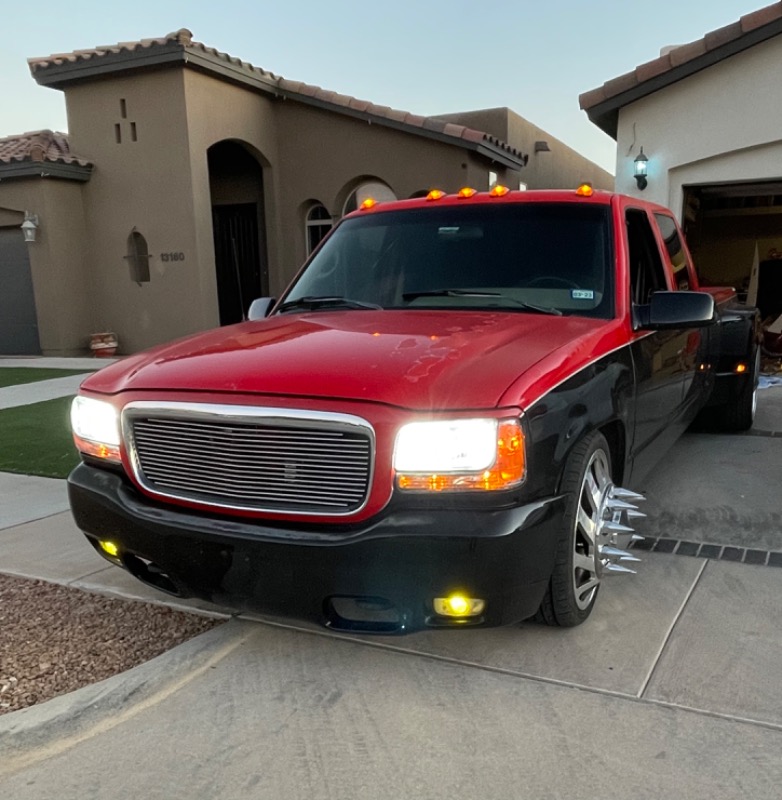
(138, 258)
(318, 224)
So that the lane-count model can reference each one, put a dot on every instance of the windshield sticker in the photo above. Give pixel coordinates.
(582, 294)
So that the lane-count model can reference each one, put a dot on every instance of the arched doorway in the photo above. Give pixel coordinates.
(238, 221)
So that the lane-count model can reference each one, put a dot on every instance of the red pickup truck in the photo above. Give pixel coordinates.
(430, 427)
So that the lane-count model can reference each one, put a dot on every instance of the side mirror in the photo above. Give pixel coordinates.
(260, 307)
(677, 310)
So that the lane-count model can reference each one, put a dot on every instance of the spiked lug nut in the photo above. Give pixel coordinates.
(632, 514)
(615, 552)
(626, 494)
(611, 567)
(616, 503)
(636, 537)
(616, 527)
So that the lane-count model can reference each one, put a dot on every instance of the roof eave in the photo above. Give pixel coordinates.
(485, 149)
(45, 169)
(58, 76)
(606, 114)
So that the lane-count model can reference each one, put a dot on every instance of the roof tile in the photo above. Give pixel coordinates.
(471, 135)
(592, 97)
(685, 53)
(40, 146)
(621, 83)
(652, 69)
(414, 119)
(436, 125)
(454, 130)
(761, 17)
(722, 35)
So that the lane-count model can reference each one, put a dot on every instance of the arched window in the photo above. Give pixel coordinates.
(374, 189)
(138, 257)
(317, 225)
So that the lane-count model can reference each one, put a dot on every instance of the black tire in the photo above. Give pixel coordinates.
(572, 590)
(738, 414)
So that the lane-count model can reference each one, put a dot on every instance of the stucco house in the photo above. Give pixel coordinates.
(708, 116)
(191, 182)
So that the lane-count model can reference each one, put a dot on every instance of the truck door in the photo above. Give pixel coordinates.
(660, 357)
(679, 266)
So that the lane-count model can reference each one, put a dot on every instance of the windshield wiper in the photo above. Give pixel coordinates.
(449, 293)
(470, 293)
(314, 303)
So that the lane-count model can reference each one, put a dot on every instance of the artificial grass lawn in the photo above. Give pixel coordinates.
(13, 376)
(36, 439)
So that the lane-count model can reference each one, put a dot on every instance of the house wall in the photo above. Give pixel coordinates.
(57, 258)
(560, 167)
(324, 156)
(144, 185)
(721, 124)
(218, 111)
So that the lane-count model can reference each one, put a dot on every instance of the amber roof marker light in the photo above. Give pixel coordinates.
(466, 192)
(498, 191)
(585, 190)
(435, 194)
(370, 202)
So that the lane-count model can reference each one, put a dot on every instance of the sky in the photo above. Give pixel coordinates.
(425, 56)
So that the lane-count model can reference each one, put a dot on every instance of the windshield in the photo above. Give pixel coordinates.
(536, 258)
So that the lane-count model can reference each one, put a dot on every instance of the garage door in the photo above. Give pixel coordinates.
(18, 319)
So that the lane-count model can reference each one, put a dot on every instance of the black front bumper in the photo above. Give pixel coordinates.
(381, 576)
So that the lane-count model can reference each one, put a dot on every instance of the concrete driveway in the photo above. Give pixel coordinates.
(671, 689)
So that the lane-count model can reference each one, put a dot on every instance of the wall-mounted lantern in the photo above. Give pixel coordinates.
(640, 164)
(30, 226)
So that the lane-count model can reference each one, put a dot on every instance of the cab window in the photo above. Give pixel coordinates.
(677, 256)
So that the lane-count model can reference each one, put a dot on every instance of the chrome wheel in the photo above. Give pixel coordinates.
(602, 530)
(595, 533)
(755, 376)
(587, 567)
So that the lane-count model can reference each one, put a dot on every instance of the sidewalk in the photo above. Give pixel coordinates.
(671, 689)
(38, 391)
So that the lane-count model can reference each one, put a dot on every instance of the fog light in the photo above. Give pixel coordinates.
(110, 548)
(458, 605)
(740, 368)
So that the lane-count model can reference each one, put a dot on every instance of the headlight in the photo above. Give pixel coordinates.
(95, 425)
(455, 455)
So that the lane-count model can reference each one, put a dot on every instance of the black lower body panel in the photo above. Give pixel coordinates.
(379, 577)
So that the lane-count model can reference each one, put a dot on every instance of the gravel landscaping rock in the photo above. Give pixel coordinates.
(54, 639)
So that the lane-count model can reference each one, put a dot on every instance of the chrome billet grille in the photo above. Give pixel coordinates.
(253, 459)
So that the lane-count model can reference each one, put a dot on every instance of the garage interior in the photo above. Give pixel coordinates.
(733, 230)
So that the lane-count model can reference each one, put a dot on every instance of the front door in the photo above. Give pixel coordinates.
(237, 259)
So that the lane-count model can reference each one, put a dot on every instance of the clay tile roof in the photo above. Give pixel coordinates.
(41, 146)
(603, 103)
(178, 47)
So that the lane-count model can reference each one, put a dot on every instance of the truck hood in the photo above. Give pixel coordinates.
(444, 360)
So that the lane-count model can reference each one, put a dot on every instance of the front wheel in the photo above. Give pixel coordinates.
(576, 577)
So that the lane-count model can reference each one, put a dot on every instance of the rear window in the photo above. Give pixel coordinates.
(509, 256)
